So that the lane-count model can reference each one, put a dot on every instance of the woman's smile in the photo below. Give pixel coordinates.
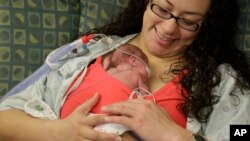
(163, 40)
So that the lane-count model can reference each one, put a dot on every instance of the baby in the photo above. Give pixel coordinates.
(128, 64)
(120, 76)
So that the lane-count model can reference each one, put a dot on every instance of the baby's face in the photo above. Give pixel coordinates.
(144, 70)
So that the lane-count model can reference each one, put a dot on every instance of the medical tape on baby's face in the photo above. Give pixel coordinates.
(148, 70)
(146, 65)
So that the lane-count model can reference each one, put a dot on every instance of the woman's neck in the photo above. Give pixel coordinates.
(167, 60)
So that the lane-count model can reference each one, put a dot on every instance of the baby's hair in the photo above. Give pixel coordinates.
(133, 50)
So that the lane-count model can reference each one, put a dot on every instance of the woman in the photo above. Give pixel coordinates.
(191, 39)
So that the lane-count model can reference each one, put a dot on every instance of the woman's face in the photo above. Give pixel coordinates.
(165, 38)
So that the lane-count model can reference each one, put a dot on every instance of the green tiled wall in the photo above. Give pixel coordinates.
(99, 12)
(244, 27)
(29, 30)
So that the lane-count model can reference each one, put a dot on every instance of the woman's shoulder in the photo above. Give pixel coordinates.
(228, 83)
(232, 107)
(227, 71)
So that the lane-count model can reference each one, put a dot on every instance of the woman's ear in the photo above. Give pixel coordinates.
(132, 61)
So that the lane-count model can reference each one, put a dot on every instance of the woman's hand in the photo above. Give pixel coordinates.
(148, 120)
(78, 126)
(17, 125)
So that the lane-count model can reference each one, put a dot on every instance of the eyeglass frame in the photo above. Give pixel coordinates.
(175, 17)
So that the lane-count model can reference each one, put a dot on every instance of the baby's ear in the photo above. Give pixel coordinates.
(132, 60)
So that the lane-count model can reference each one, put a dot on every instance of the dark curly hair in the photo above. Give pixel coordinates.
(214, 46)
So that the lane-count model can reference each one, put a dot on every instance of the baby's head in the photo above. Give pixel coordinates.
(122, 54)
(133, 55)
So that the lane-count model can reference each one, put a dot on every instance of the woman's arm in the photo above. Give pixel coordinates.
(18, 126)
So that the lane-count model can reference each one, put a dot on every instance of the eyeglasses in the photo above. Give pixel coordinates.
(183, 23)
